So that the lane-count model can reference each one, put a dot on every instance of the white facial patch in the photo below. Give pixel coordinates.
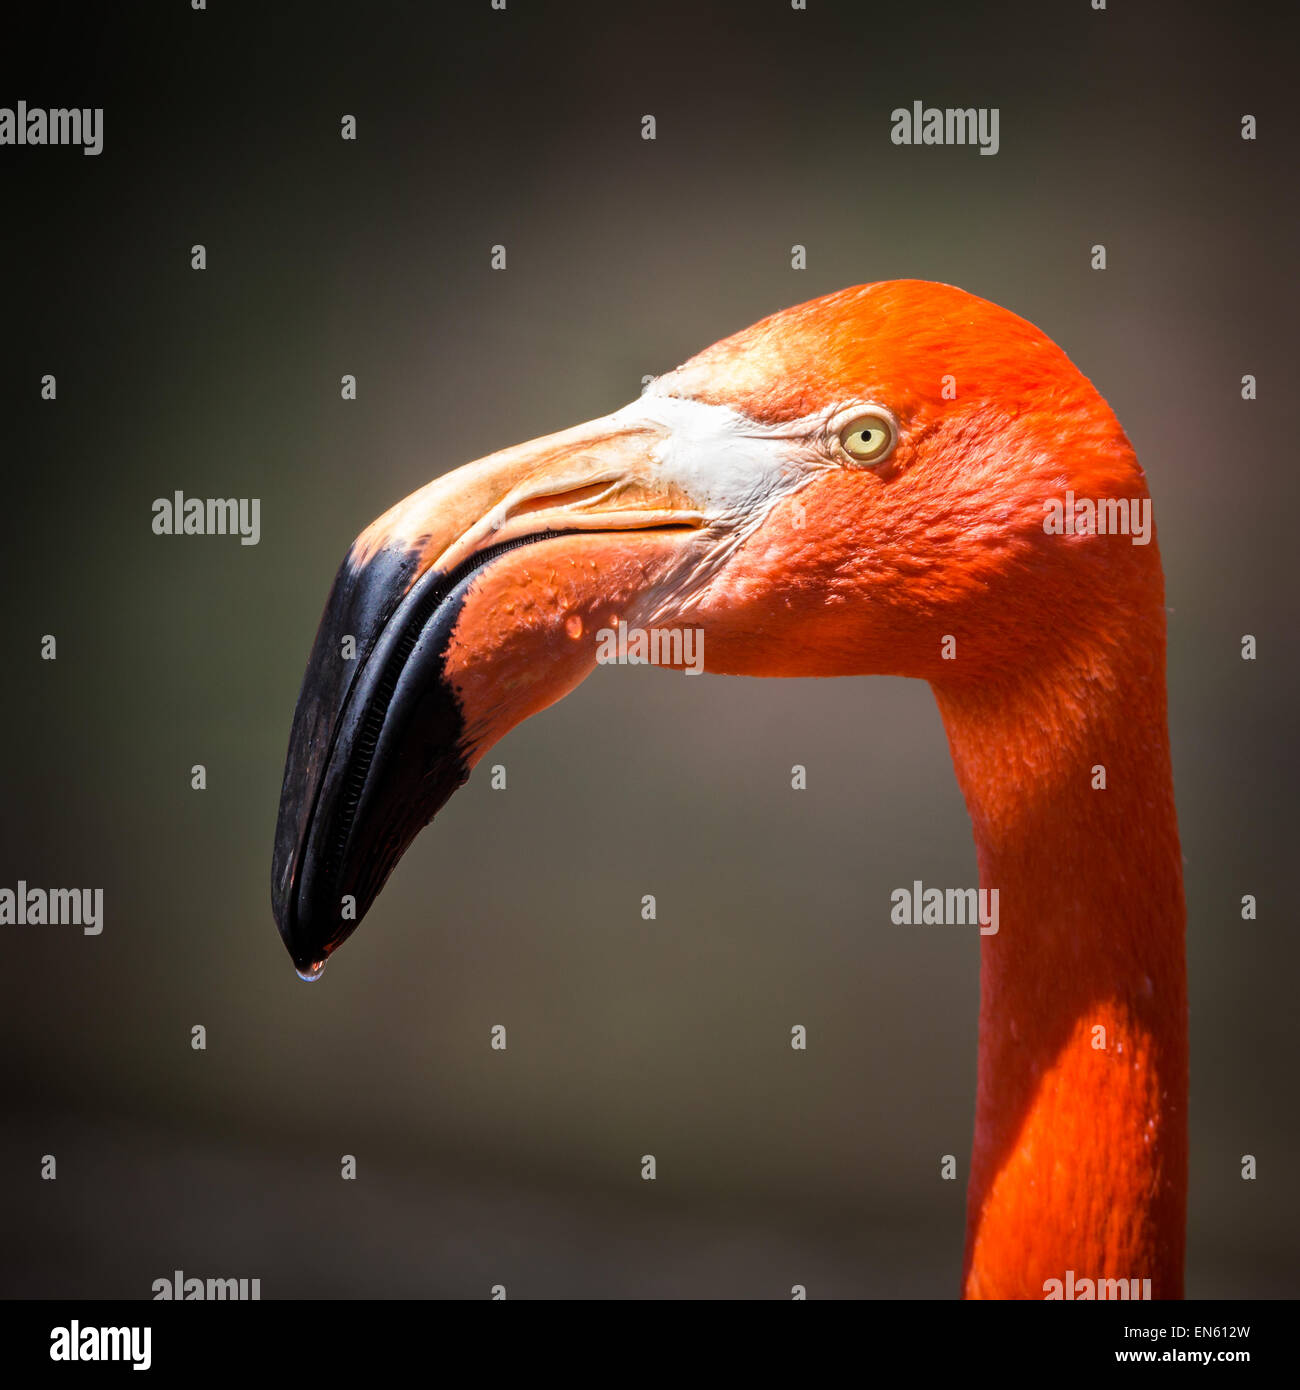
(731, 467)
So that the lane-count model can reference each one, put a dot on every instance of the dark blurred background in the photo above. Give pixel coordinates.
(475, 127)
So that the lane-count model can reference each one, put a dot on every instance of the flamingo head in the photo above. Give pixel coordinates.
(836, 490)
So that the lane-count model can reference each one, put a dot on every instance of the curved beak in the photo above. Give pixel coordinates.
(467, 607)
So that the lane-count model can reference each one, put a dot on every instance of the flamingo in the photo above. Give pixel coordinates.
(855, 485)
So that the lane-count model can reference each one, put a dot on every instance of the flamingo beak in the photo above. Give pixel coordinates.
(466, 608)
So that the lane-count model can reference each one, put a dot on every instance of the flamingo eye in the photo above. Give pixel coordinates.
(869, 438)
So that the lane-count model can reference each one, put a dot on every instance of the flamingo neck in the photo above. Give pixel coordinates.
(1080, 1152)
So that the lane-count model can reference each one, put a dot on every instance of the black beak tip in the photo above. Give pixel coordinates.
(376, 749)
(306, 947)
(308, 961)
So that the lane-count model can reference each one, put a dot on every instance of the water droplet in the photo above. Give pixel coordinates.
(573, 626)
(313, 972)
